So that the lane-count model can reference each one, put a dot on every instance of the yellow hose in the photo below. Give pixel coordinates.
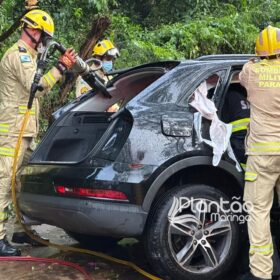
(61, 247)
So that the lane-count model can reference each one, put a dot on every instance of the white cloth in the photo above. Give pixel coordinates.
(220, 132)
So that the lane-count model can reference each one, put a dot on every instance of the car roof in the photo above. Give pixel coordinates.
(229, 59)
(221, 59)
(218, 60)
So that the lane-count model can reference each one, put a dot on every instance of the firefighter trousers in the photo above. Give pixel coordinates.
(7, 149)
(262, 177)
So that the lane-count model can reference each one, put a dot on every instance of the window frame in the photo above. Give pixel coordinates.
(220, 105)
(224, 71)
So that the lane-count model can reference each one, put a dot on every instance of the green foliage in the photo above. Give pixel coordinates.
(74, 18)
(188, 39)
(137, 44)
(151, 30)
(9, 10)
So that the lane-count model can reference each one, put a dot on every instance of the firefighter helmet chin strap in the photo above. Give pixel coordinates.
(32, 38)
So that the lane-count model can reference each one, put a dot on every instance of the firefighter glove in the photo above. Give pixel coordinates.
(66, 61)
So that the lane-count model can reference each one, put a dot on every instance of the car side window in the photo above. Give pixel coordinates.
(212, 82)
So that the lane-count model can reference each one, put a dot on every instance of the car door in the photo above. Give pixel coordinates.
(216, 81)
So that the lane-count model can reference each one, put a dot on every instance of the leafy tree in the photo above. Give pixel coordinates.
(151, 30)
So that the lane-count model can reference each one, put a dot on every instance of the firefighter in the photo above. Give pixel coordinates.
(106, 52)
(261, 78)
(17, 70)
(236, 111)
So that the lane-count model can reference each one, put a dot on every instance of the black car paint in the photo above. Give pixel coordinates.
(157, 153)
(86, 216)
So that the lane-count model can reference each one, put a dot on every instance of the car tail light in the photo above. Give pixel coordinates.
(96, 193)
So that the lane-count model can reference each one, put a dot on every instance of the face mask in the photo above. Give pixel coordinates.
(107, 66)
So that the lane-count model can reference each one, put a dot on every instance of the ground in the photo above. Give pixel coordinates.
(97, 268)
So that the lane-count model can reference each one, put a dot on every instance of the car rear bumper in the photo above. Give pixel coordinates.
(85, 216)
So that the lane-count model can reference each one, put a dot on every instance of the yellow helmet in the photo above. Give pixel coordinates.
(268, 42)
(105, 47)
(39, 19)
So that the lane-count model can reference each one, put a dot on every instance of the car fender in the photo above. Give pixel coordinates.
(183, 164)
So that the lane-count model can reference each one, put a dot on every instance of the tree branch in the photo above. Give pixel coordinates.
(30, 4)
(6, 34)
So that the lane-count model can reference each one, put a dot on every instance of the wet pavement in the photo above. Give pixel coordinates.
(97, 268)
(31, 270)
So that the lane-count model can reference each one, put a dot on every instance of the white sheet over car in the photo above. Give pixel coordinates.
(220, 132)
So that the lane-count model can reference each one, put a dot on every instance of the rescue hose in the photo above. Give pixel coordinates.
(47, 243)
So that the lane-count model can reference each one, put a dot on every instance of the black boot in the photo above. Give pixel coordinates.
(250, 276)
(22, 237)
(7, 250)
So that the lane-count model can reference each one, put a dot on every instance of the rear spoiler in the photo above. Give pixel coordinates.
(226, 57)
(162, 64)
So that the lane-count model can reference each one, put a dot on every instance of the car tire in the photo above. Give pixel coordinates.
(95, 242)
(163, 240)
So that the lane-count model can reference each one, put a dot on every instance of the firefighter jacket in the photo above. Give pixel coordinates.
(17, 70)
(82, 86)
(262, 82)
(236, 110)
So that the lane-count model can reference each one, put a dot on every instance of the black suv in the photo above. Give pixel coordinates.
(132, 173)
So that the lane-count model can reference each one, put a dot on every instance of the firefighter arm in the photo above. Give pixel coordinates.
(48, 81)
(244, 74)
(65, 62)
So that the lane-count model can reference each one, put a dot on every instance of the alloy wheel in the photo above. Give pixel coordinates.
(199, 234)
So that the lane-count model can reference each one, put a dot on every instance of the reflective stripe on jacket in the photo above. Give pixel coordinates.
(3, 216)
(265, 147)
(8, 152)
(263, 250)
(239, 125)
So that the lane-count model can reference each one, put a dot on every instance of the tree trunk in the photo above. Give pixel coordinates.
(99, 26)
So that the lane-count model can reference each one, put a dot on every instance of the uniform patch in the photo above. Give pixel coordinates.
(84, 90)
(22, 49)
(25, 58)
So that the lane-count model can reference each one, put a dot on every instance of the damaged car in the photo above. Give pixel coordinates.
(101, 175)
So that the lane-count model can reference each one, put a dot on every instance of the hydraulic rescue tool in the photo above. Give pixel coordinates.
(81, 67)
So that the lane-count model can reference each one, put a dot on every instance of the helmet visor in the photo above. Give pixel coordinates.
(113, 52)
